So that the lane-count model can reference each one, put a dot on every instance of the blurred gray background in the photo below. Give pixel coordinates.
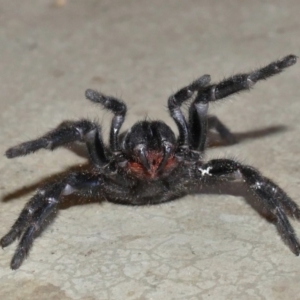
(207, 246)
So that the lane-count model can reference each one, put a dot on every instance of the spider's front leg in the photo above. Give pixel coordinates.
(43, 204)
(271, 196)
(198, 119)
(67, 132)
(176, 100)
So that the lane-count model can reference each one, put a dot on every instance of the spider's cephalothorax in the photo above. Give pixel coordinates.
(149, 147)
(148, 164)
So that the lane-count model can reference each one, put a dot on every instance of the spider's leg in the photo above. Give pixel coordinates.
(176, 100)
(200, 123)
(270, 195)
(118, 107)
(68, 132)
(40, 207)
(224, 132)
(241, 82)
(229, 86)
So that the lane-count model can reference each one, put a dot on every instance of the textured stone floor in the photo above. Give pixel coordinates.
(207, 246)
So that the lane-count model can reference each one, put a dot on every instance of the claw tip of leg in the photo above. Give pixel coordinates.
(9, 153)
(290, 60)
(17, 260)
(15, 264)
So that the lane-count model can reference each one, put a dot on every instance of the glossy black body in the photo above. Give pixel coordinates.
(149, 164)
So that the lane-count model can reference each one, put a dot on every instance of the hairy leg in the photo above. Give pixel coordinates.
(237, 83)
(176, 100)
(40, 207)
(270, 195)
(119, 109)
(68, 132)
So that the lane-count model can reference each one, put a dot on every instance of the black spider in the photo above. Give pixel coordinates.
(148, 164)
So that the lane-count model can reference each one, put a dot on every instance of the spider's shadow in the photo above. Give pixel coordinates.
(214, 139)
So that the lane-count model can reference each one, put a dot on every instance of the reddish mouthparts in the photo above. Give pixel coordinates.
(154, 158)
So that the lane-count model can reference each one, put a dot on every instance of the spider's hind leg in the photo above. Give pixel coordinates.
(270, 195)
(42, 205)
(224, 132)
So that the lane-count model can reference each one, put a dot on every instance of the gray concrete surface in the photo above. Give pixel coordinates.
(208, 246)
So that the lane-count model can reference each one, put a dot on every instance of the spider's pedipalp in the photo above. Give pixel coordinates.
(118, 107)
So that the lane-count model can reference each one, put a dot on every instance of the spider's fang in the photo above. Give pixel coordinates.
(168, 149)
(143, 157)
